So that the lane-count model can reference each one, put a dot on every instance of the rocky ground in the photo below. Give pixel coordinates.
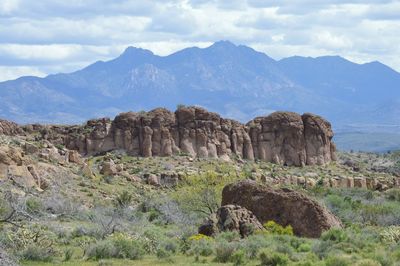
(65, 204)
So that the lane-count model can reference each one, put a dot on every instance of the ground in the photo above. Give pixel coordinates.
(121, 219)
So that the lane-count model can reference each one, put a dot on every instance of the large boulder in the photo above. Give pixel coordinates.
(284, 206)
(231, 218)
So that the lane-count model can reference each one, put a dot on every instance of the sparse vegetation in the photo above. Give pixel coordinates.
(112, 220)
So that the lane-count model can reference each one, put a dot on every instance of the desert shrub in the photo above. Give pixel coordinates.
(33, 205)
(238, 258)
(37, 253)
(367, 262)
(202, 247)
(123, 199)
(391, 234)
(270, 258)
(224, 250)
(117, 246)
(393, 194)
(101, 250)
(228, 236)
(334, 235)
(68, 253)
(252, 245)
(274, 228)
(337, 261)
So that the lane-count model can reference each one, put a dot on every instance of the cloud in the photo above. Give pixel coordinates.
(49, 36)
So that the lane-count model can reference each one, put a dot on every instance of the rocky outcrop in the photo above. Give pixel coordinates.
(231, 218)
(9, 128)
(290, 139)
(284, 206)
(282, 137)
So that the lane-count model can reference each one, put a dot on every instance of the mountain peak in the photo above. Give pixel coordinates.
(134, 51)
(223, 44)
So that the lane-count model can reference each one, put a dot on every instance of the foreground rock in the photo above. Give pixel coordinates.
(231, 218)
(5, 259)
(284, 206)
(282, 137)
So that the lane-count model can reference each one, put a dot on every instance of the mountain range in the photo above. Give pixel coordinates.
(233, 80)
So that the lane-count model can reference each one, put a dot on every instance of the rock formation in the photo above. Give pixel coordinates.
(282, 137)
(284, 206)
(9, 128)
(231, 218)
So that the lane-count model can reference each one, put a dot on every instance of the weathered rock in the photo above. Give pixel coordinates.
(317, 136)
(10, 128)
(87, 171)
(231, 218)
(153, 180)
(108, 168)
(74, 157)
(282, 137)
(284, 206)
(31, 148)
(279, 138)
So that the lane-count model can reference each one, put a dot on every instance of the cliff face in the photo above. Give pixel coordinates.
(282, 137)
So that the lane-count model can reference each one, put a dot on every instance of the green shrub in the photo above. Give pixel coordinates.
(201, 247)
(101, 250)
(37, 253)
(117, 246)
(224, 251)
(274, 228)
(337, 261)
(238, 258)
(367, 262)
(123, 199)
(335, 235)
(273, 259)
(391, 234)
(68, 253)
(33, 206)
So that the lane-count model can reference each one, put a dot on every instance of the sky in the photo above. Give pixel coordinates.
(51, 36)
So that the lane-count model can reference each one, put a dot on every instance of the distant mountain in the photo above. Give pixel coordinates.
(234, 80)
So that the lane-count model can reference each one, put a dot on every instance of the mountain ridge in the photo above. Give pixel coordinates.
(234, 80)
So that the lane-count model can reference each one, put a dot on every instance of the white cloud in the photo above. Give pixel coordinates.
(50, 36)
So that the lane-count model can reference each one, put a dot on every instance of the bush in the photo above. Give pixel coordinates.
(117, 246)
(337, 261)
(123, 199)
(37, 253)
(238, 258)
(274, 228)
(33, 206)
(391, 234)
(335, 235)
(273, 259)
(201, 247)
(224, 251)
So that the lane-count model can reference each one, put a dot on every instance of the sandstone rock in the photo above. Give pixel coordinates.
(283, 206)
(31, 148)
(87, 171)
(231, 218)
(282, 137)
(10, 128)
(108, 168)
(21, 176)
(153, 180)
(74, 157)
(318, 135)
